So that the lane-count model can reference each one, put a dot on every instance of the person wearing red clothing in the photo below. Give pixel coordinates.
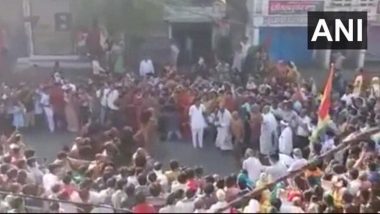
(191, 183)
(58, 102)
(184, 100)
(141, 205)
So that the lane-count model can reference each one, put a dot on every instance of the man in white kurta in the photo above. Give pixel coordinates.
(223, 138)
(268, 134)
(146, 67)
(197, 123)
(286, 139)
(48, 110)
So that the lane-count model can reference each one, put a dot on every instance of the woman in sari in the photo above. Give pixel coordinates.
(358, 83)
(137, 101)
(70, 113)
(184, 101)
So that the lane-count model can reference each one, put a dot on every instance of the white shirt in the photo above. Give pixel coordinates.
(94, 198)
(354, 186)
(146, 67)
(163, 180)
(327, 145)
(303, 131)
(96, 68)
(285, 143)
(68, 208)
(177, 186)
(107, 209)
(168, 209)
(102, 94)
(105, 193)
(117, 198)
(197, 120)
(253, 167)
(111, 98)
(132, 180)
(297, 164)
(49, 180)
(347, 98)
(37, 174)
(286, 159)
(252, 207)
(45, 100)
(277, 171)
(185, 206)
(289, 208)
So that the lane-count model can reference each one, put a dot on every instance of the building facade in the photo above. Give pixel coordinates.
(12, 31)
(195, 26)
(281, 25)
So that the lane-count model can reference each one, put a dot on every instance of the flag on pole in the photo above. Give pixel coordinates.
(324, 107)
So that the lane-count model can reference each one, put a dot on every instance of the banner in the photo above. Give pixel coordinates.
(284, 20)
(279, 7)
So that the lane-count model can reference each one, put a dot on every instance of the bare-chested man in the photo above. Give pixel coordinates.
(255, 123)
(237, 131)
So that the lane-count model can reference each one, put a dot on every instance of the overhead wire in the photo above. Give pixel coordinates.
(354, 137)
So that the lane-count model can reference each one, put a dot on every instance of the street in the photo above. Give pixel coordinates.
(47, 145)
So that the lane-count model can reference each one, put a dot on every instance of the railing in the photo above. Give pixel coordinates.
(45, 207)
(346, 143)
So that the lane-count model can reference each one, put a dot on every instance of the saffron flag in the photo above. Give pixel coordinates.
(324, 107)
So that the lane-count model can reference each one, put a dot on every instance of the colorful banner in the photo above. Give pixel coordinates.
(281, 7)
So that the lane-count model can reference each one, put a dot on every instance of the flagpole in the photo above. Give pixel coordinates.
(324, 106)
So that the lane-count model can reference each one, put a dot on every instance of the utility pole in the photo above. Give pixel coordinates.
(28, 25)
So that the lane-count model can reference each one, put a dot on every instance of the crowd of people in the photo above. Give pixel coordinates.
(266, 123)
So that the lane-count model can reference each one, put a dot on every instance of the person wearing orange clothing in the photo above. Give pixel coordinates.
(184, 101)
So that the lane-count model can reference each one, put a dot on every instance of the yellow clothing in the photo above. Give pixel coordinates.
(358, 83)
(337, 196)
(172, 175)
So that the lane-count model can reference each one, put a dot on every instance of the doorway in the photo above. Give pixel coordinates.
(194, 40)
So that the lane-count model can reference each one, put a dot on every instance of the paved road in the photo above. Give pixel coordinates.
(47, 146)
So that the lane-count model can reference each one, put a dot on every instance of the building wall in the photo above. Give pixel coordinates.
(11, 20)
(282, 30)
(47, 41)
(287, 43)
(373, 51)
(273, 14)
